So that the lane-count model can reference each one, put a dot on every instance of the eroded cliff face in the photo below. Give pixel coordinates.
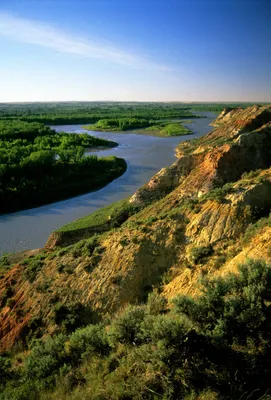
(191, 224)
(240, 143)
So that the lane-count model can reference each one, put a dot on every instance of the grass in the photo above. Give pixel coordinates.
(113, 215)
(172, 129)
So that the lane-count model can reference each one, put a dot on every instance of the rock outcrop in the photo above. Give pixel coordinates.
(240, 143)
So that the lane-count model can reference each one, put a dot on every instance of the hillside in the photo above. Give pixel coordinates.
(200, 218)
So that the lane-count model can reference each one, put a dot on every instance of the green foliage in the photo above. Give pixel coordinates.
(38, 165)
(90, 245)
(200, 254)
(118, 124)
(108, 217)
(157, 304)
(33, 267)
(91, 112)
(5, 368)
(45, 361)
(253, 229)
(126, 328)
(218, 194)
(13, 129)
(6, 295)
(4, 260)
(235, 309)
(90, 340)
(169, 129)
(70, 316)
(124, 124)
(175, 130)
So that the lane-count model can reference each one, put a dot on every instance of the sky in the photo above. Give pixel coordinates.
(135, 50)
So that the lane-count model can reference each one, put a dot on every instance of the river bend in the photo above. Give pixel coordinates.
(145, 155)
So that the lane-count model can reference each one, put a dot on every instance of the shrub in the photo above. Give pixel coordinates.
(90, 246)
(6, 295)
(73, 315)
(67, 269)
(199, 254)
(235, 309)
(126, 328)
(77, 248)
(169, 330)
(219, 261)
(157, 304)
(32, 269)
(218, 194)
(43, 364)
(5, 367)
(92, 339)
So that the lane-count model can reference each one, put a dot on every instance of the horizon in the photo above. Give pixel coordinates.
(174, 51)
(137, 101)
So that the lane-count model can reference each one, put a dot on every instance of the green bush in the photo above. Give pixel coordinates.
(45, 361)
(5, 368)
(200, 254)
(73, 315)
(90, 340)
(90, 245)
(32, 269)
(218, 194)
(235, 309)
(126, 328)
(6, 295)
(157, 304)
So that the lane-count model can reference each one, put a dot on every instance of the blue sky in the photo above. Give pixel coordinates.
(151, 50)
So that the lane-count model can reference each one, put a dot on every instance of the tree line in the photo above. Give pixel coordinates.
(81, 113)
(39, 165)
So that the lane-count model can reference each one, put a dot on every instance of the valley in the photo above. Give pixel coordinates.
(163, 294)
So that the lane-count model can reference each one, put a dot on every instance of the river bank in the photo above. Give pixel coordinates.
(145, 155)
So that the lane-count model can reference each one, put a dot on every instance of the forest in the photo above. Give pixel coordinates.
(91, 112)
(81, 113)
(39, 165)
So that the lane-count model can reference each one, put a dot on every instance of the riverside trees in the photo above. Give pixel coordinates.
(38, 165)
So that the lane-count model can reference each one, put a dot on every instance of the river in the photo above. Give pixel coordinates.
(145, 155)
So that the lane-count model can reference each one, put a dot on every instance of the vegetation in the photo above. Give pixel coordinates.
(216, 344)
(38, 165)
(92, 112)
(14, 129)
(172, 129)
(118, 124)
(125, 124)
(114, 215)
(200, 254)
(218, 194)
